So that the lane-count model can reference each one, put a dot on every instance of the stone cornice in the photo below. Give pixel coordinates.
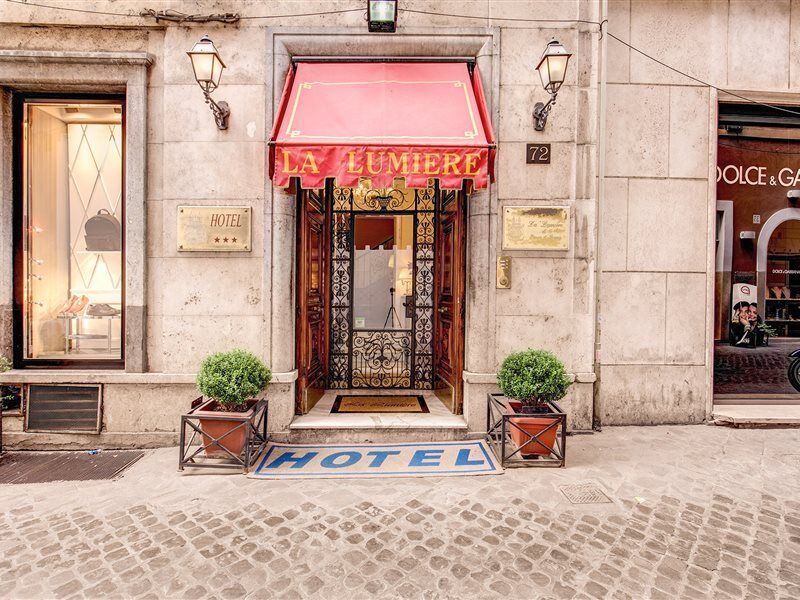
(142, 59)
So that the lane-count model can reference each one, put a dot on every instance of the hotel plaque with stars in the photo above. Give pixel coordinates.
(214, 229)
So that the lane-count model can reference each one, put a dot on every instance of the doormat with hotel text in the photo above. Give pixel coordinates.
(413, 459)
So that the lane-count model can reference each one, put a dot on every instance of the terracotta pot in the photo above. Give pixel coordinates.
(216, 428)
(531, 426)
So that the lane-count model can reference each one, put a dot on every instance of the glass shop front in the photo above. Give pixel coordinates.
(69, 251)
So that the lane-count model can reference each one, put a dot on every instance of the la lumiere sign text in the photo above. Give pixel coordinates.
(214, 229)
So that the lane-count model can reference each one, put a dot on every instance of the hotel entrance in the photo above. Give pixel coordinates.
(382, 156)
(381, 294)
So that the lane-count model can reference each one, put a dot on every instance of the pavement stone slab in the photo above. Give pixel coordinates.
(694, 512)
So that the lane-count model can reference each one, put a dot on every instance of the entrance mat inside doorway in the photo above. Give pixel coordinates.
(46, 467)
(413, 459)
(380, 404)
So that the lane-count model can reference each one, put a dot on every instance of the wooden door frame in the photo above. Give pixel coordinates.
(459, 294)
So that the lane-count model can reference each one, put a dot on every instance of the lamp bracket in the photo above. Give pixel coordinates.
(220, 109)
(540, 112)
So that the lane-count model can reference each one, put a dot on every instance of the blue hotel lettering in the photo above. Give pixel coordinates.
(337, 460)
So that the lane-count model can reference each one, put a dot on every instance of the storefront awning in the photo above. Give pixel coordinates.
(382, 120)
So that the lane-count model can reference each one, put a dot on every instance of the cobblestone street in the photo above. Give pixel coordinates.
(695, 512)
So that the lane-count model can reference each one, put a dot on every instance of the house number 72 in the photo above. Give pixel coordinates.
(537, 154)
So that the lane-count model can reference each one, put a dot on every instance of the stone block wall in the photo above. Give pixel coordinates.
(657, 215)
(650, 296)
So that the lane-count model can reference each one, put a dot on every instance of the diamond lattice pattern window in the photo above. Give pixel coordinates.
(73, 215)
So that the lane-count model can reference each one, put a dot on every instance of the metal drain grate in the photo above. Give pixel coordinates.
(585, 493)
(45, 467)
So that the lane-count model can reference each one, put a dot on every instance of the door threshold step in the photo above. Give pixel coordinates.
(375, 435)
(755, 415)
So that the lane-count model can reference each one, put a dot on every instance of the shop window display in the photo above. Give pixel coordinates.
(73, 241)
(757, 284)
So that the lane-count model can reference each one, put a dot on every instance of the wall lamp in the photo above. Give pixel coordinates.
(208, 67)
(552, 69)
(382, 16)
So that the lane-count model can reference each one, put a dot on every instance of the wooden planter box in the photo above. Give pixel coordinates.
(526, 439)
(213, 435)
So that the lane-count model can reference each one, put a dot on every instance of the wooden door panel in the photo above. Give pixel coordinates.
(449, 297)
(312, 300)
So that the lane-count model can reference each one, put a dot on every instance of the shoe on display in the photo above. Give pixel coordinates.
(776, 291)
(102, 310)
(787, 293)
(64, 308)
(79, 306)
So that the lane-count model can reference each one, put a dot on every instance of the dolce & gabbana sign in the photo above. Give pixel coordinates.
(758, 175)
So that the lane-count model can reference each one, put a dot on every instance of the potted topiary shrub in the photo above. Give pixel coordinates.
(230, 382)
(529, 380)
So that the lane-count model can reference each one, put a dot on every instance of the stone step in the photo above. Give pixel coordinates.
(375, 435)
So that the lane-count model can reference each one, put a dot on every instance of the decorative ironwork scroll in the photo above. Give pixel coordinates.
(422, 325)
(383, 199)
(381, 358)
(369, 358)
(341, 289)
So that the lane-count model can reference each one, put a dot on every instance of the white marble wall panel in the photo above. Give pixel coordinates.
(632, 324)
(667, 224)
(652, 394)
(758, 38)
(516, 114)
(214, 169)
(619, 23)
(541, 286)
(521, 50)
(178, 344)
(614, 225)
(637, 131)
(519, 180)
(192, 120)
(564, 335)
(188, 286)
(688, 132)
(685, 318)
(242, 48)
(688, 35)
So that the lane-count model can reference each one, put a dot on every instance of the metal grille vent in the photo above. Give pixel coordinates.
(585, 493)
(64, 408)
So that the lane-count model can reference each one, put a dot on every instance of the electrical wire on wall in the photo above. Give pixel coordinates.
(232, 18)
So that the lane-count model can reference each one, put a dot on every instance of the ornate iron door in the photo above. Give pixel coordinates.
(401, 357)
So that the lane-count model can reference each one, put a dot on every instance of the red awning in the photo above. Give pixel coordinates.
(382, 120)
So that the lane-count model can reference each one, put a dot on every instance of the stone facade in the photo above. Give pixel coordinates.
(629, 307)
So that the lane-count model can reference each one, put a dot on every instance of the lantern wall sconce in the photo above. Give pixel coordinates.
(552, 69)
(208, 67)
(382, 16)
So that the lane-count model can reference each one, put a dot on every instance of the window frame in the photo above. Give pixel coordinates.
(20, 361)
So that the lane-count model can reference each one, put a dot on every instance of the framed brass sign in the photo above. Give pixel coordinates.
(536, 228)
(214, 229)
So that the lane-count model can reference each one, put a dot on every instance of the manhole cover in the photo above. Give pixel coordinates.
(585, 493)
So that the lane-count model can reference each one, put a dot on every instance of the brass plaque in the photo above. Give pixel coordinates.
(214, 229)
(536, 228)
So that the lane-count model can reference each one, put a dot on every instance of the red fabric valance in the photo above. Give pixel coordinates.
(382, 120)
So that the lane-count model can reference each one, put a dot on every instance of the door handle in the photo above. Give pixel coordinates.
(441, 310)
